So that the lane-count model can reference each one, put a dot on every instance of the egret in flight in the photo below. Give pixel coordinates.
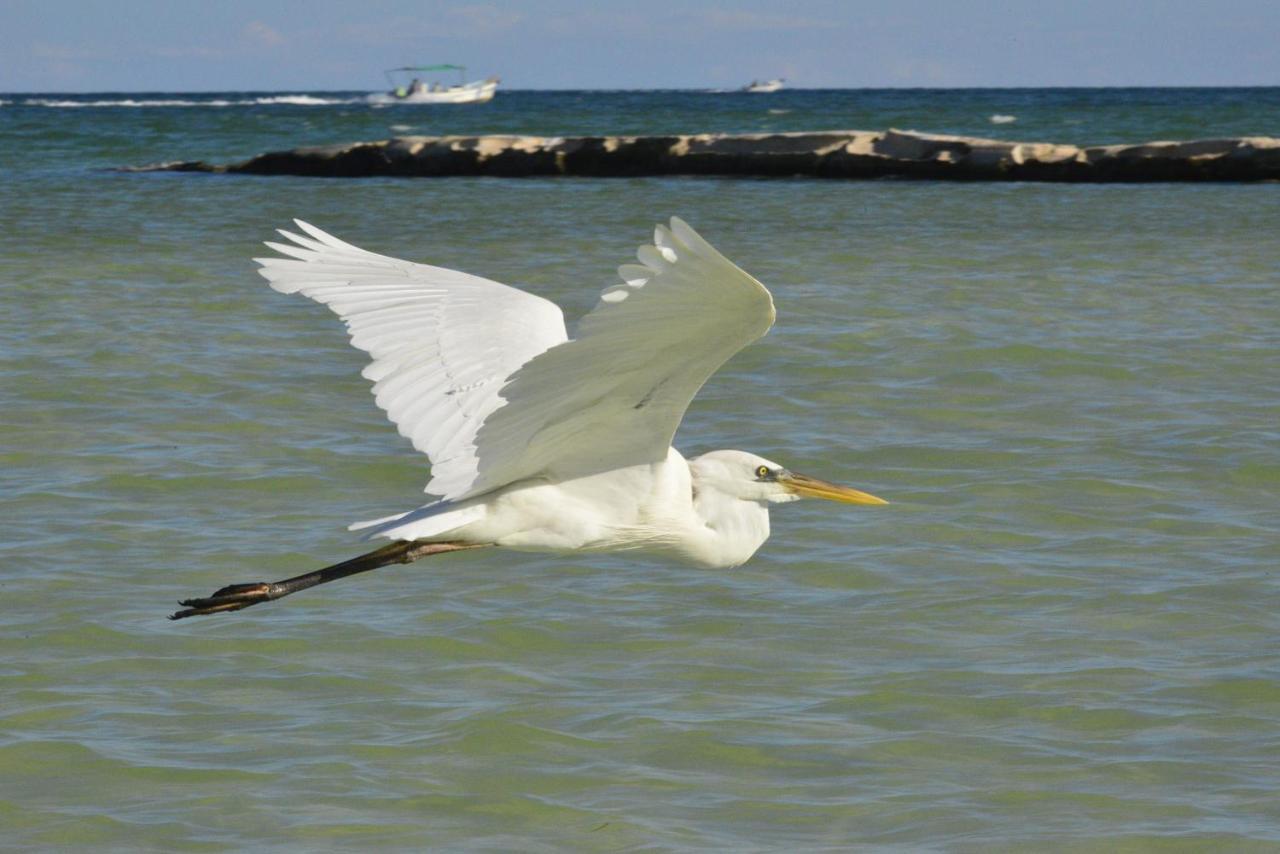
(538, 441)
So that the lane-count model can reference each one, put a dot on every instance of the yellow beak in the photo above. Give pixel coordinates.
(811, 487)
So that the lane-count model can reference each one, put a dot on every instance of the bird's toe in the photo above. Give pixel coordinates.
(233, 597)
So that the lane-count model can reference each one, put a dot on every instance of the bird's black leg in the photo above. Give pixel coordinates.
(237, 596)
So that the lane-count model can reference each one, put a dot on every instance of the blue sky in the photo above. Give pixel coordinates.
(148, 45)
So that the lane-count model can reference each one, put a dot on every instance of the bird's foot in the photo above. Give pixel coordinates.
(233, 597)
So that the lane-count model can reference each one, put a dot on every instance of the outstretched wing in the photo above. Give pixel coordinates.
(443, 342)
(614, 395)
(481, 377)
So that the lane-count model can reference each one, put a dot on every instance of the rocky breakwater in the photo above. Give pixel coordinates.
(822, 154)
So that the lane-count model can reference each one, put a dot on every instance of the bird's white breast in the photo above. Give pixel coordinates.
(640, 507)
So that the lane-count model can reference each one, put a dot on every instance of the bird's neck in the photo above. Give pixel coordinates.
(732, 529)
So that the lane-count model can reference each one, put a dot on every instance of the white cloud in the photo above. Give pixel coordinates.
(596, 23)
(195, 52)
(471, 21)
(743, 19)
(481, 19)
(916, 71)
(260, 34)
(65, 53)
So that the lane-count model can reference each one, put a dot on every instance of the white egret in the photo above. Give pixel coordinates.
(538, 441)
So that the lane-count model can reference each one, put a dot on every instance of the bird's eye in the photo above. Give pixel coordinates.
(762, 472)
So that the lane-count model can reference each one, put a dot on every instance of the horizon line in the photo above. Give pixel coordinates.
(706, 89)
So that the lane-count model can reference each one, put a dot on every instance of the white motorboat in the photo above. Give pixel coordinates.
(409, 88)
(764, 85)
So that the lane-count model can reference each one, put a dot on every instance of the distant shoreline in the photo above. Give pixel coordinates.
(726, 89)
(818, 154)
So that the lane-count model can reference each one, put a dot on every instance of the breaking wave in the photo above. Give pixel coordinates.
(295, 100)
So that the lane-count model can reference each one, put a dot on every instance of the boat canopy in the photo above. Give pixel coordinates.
(429, 68)
(414, 69)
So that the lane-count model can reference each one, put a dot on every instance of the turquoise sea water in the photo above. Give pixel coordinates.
(1061, 636)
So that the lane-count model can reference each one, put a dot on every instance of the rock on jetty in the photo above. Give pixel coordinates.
(821, 154)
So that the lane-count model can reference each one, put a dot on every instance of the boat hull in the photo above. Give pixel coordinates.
(468, 93)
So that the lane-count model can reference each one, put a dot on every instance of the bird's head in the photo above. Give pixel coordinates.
(753, 478)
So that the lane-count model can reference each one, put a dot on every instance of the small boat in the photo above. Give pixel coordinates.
(764, 85)
(408, 88)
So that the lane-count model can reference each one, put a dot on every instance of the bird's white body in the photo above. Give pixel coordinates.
(652, 507)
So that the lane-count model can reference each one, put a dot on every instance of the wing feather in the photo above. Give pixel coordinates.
(442, 342)
(615, 394)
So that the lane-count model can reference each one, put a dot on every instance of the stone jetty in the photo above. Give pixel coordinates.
(817, 154)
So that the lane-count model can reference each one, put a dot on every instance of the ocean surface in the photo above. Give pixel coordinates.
(1062, 635)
